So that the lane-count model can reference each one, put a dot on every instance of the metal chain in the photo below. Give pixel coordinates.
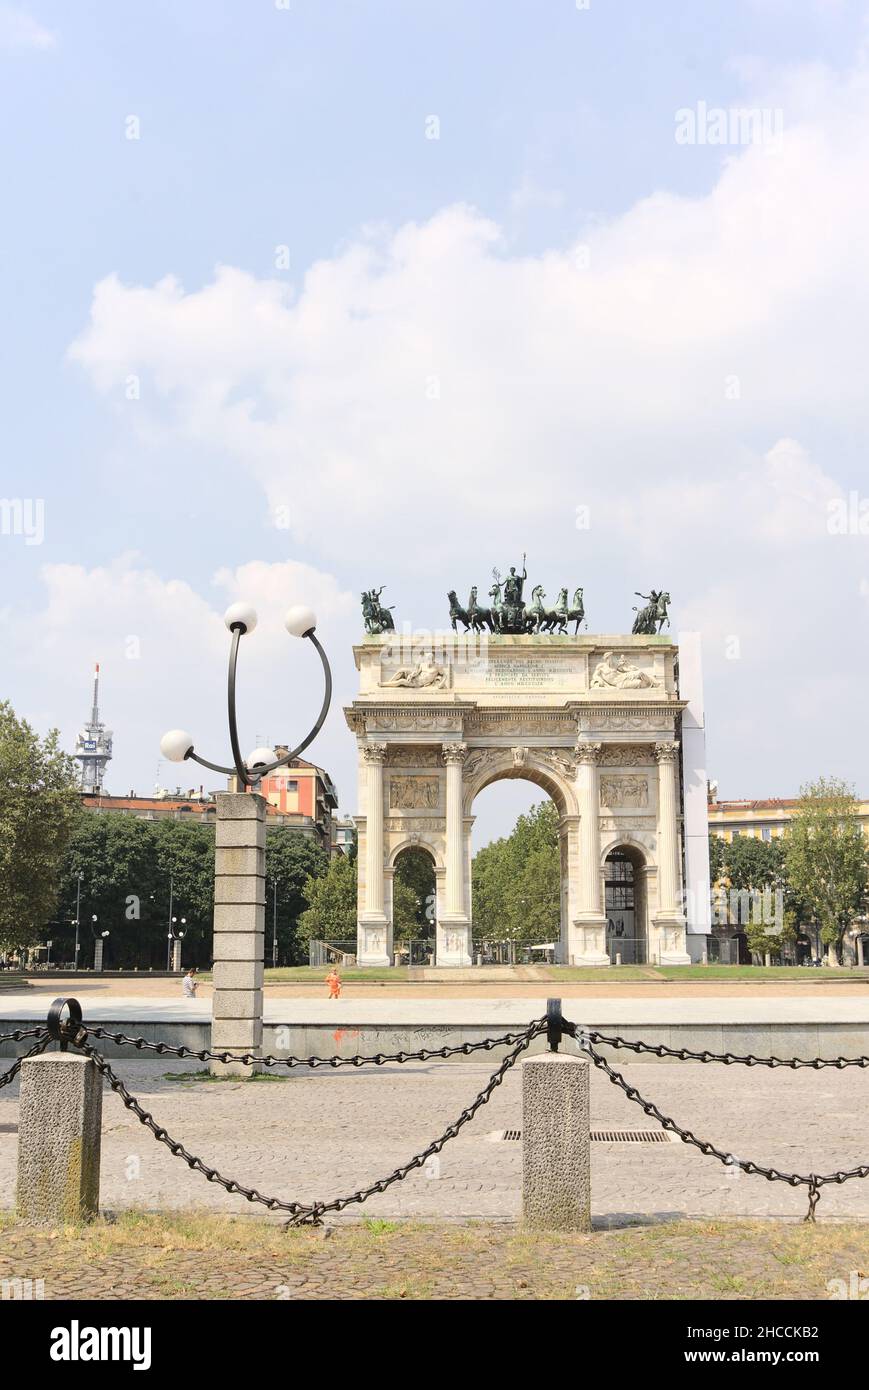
(378, 1059)
(814, 1181)
(300, 1213)
(39, 1046)
(684, 1054)
(307, 1213)
(20, 1033)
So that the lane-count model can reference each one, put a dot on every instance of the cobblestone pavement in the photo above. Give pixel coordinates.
(145, 1257)
(316, 1135)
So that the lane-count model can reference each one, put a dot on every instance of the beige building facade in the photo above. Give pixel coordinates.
(593, 721)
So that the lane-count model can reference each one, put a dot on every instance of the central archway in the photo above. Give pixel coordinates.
(519, 906)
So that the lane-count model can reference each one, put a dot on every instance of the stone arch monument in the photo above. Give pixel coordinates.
(594, 721)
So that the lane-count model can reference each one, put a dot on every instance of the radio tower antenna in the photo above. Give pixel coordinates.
(93, 747)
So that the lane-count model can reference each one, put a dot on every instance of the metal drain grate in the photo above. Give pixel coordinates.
(631, 1136)
(602, 1136)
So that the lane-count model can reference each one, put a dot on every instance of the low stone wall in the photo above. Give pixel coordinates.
(806, 1040)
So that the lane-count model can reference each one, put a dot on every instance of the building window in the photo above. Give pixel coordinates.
(766, 833)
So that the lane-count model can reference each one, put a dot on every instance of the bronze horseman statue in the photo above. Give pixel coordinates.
(654, 615)
(377, 618)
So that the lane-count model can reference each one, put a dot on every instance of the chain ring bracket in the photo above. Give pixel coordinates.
(69, 1030)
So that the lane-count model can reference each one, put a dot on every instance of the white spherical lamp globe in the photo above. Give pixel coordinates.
(260, 757)
(240, 615)
(300, 621)
(176, 745)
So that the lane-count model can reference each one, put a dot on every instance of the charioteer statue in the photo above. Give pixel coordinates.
(510, 614)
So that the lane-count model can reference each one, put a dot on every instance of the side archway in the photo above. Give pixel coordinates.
(414, 879)
(625, 872)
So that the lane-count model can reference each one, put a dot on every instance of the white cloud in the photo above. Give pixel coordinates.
(425, 403)
(20, 30)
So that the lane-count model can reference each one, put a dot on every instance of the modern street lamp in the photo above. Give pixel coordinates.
(80, 876)
(274, 922)
(235, 1028)
(172, 937)
(177, 744)
(99, 938)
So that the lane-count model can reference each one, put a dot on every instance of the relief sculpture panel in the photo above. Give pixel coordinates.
(413, 793)
(624, 791)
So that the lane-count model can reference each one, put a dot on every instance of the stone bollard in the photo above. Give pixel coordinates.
(239, 924)
(60, 1114)
(556, 1143)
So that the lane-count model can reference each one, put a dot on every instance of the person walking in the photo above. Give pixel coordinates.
(333, 980)
(190, 984)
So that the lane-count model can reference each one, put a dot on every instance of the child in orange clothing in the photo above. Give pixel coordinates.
(333, 980)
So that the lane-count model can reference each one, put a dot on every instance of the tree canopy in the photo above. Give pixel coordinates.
(39, 807)
(826, 858)
(137, 874)
(413, 895)
(331, 911)
(517, 881)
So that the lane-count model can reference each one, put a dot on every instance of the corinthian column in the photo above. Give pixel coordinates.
(588, 944)
(454, 929)
(374, 754)
(587, 755)
(374, 945)
(670, 918)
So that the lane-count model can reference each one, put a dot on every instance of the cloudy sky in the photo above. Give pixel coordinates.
(300, 298)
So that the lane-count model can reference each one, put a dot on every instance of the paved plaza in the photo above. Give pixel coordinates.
(503, 1011)
(317, 1135)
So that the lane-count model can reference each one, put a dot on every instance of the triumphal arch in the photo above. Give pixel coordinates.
(593, 720)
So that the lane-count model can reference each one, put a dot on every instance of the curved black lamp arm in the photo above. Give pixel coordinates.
(239, 769)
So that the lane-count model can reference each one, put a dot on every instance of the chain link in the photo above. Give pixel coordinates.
(377, 1059)
(39, 1046)
(301, 1213)
(814, 1181)
(20, 1033)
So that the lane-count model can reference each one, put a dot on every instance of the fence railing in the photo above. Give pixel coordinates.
(553, 1092)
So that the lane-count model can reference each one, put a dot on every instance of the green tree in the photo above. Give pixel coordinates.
(116, 859)
(757, 891)
(136, 875)
(413, 894)
(826, 858)
(184, 867)
(331, 898)
(716, 858)
(39, 805)
(405, 910)
(291, 860)
(517, 881)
